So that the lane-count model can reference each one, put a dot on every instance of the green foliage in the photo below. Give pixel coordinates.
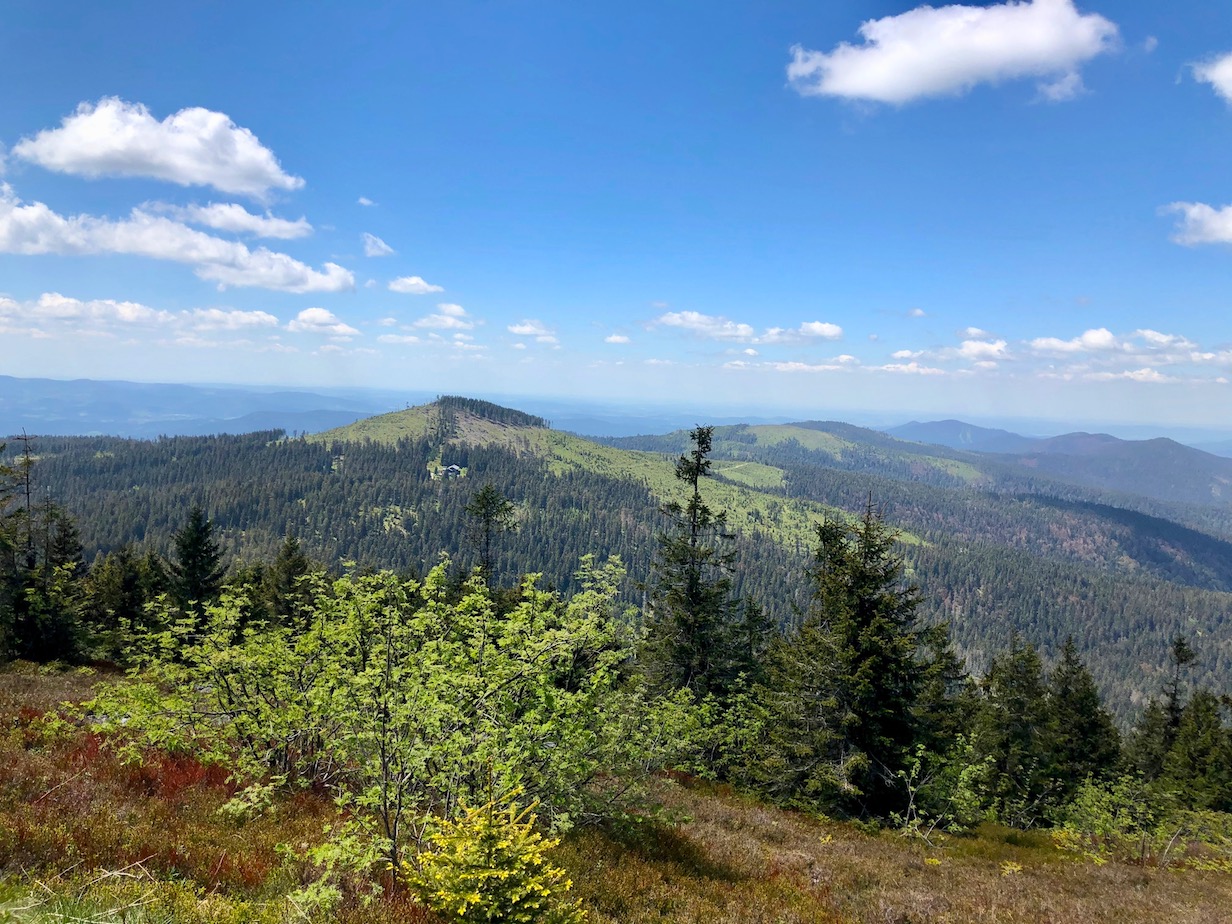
(1128, 819)
(403, 699)
(1033, 554)
(490, 865)
(288, 591)
(1198, 764)
(41, 597)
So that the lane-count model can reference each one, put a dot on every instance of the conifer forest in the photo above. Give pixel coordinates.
(460, 667)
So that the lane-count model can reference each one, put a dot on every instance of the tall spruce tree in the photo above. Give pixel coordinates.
(1198, 766)
(862, 682)
(491, 514)
(1181, 655)
(691, 607)
(10, 584)
(41, 593)
(1155, 732)
(290, 595)
(1087, 743)
(115, 602)
(1015, 736)
(197, 572)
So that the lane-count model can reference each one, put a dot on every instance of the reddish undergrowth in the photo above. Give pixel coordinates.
(68, 803)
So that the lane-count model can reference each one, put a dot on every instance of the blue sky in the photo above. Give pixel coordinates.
(1008, 209)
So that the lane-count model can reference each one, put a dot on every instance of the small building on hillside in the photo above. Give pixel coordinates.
(452, 471)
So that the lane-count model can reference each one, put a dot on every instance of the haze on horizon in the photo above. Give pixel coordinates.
(1015, 210)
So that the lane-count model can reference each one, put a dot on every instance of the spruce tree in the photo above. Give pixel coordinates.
(289, 594)
(1199, 763)
(10, 584)
(115, 601)
(1155, 732)
(1180, 656)
(860, 594)
(691, 609)
(861, 683)
(1015, 736)
(1087, 743)
(197, 573)
(1146, 747)
(491, 514)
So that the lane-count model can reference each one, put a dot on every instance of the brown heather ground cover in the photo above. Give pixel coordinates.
(85, 837)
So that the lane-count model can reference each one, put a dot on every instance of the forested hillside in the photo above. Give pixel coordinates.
(993, 551)
(431, 734)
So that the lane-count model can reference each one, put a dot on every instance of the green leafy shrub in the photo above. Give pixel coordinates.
(1128, 819)
(403, 700)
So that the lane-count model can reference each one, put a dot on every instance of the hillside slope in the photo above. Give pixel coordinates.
(990, 563)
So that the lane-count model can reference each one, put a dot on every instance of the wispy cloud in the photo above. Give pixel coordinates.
(447, 317)
(220, 319)
(714, 327)
(52, 306)
(375, 247)
(536, 329)
(100, 314)
(232, 217)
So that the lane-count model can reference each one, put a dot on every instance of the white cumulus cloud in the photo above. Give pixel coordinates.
(1201, 224)
(1132, 375)
(912, 368)
(413, 285)
(1218, 73)
(938, 51)
(192, 147)
(822, 329)
(36, 229)
(1099, 339)
(803, 367)
(615, 338)
(983, 349)
(321, 321)
(375, 247)
(809, 330)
